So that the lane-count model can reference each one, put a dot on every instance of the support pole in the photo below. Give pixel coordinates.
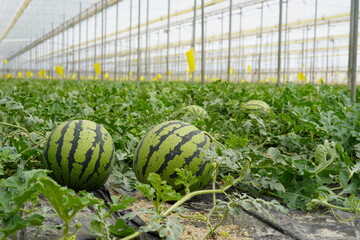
(194, 27)
(79, 55)
(260, 45)
(138, 50)
(193, 35)
(147, 41)
(327, 53)
(279, 44)
(116, 40)
(229, 47)
(202, 42)
(168, 43)
(314, 44)
(130, 36)
(87, 45)
(354, 16)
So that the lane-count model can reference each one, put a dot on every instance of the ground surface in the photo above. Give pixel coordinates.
(249, 225)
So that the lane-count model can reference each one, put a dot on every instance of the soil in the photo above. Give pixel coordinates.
(249, 225)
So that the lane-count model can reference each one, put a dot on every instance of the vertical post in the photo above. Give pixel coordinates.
(79, 65)
(221, 45)
(95, 25)
(229, 47)
(138, 50)
(193, 34)
(130, 36)
(116, 40)
(87, 45)
(63, 42)
(260, 45)
(53, 53)
(147, 41)
(168, 43)
(102, 41)
(314, 44)
(327, 53)
(306, 69)
(354, 16)
(241, 48)
(178, 55)
(194, 27)
(202, 42)
(286, 38)
(303, 51)
(279, 44)
(73, 52)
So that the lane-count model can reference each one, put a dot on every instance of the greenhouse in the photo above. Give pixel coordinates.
(202, 119)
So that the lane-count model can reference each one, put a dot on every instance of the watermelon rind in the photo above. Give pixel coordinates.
(80, 154)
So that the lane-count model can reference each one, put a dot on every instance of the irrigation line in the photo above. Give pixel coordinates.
(278, 227)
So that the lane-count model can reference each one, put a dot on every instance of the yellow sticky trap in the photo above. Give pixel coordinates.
(97, 68)
(20, 75)
(249, 68)
(29, 74)
(142, 78)
(59, 70)
(231, 70)
(301, 76)
(42, 73)
(130, 73)
(8, 76)
(5, 61)
(190, 56)
(169, 73)
(321, 80)
(159, 76)
(106, 75)
(73, 76)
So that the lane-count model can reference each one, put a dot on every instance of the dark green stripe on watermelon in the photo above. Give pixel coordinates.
(163, 138)
(177, 151)
(80, 153)
(74, 146)
(172, 145)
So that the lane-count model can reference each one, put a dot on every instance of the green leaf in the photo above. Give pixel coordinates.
(324, 155)
(147, 190)
(186, 178)
(172, 229)
(125, 203)
(121, 229)
(164, 192)
(14, 223)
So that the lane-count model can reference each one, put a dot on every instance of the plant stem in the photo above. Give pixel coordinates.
(132, 236)
(189, 196)
(213, 140)
(14, 126)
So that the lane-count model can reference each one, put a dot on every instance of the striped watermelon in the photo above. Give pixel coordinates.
(80, 154)
(194, 111)
(171, 145)
(256, 107)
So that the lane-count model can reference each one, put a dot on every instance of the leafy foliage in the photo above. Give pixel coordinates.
(305, 152)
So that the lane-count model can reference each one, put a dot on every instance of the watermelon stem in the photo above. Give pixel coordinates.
(214, 140)
(15, 126)
(22, 129)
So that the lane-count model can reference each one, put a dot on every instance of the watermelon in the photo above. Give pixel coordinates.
(80, 154)
(193, 111)
(256, 107)
(171, 145)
